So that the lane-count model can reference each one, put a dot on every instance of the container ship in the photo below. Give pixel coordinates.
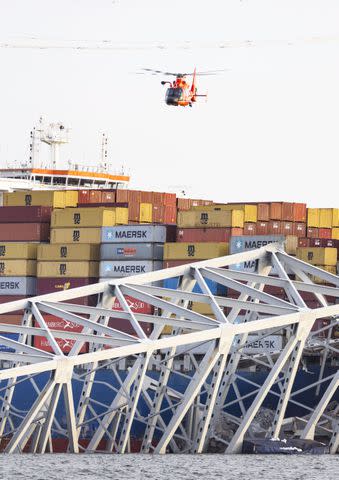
(65, 229)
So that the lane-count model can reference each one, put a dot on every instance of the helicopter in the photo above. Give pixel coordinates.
(180, 92)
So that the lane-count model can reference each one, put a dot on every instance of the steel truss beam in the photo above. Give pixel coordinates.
(178, 411)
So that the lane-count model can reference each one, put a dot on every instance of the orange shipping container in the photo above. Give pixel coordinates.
(146, 197)
(299, 212)
(275, 211)
(325, 233)
(164, 214)
(170, 199)
(237, 231)
(287, 211)
(134, 196)
(263, 213)
(121, 196)
(133, 212)
(95, 196)
(157, 198)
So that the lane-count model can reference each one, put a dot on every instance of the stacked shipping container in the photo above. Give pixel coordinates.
(88, 226)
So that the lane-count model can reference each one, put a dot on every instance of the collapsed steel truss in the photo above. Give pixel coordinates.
(185, 420)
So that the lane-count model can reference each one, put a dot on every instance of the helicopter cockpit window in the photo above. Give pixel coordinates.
(173, 94)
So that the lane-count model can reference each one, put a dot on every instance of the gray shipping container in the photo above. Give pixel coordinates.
(132, 251)
(17, 286)
(134, 234)
(127, 268)
(245, 243)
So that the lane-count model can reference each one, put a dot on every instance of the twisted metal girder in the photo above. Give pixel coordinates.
(172, 410)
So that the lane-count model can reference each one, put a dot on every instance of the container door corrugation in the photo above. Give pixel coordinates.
(194, 251)
(68, 269)
(18, 250)
(69, 252)
(76, 235)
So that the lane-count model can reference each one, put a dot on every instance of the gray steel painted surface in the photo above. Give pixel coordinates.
(17, 286)
(128, 267)
(134, 234)
(132, 251)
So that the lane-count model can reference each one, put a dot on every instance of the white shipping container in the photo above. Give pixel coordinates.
(269, 344)
(120, 269)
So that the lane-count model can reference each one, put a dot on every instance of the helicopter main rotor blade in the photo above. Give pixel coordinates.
(159, 72)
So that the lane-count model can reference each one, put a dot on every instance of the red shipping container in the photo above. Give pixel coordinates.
(262, 228)
(287, 228)
(170, 199)
(137, 306)
(12, 298)
(299, 212)
(10, 319)
(146, 197)
(263, 212)
(304, 242)
(299, 229)
(276, 291)
(203, 234)
(51, 285)
(133, 212)
(134, 196)
(319, 324)
(250, 228)
(65, 344)
(325, 232)
(24, 232)
(274, 227)
(183, 203)
(175, 263)
(275, 211)
(202, 203)
(83, 196)
(164, 214)
(121, 195)
(157, 198)
(287, 211)
(106, 205)
(108, 196)
(25, 214)
(312, 232)
(95, 196)
(323, 242)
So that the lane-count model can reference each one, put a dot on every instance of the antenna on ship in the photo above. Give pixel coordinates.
(104, 156)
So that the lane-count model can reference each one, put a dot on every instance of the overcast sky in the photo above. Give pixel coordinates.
(267, 132)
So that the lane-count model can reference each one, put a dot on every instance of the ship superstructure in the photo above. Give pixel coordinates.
(47, 173)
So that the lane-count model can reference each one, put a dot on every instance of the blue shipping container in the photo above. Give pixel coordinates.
(10, 336)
